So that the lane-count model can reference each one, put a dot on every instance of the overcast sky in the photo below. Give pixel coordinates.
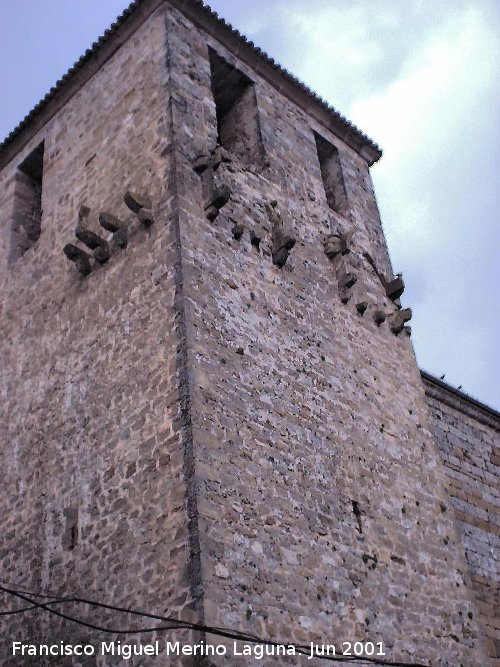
(421, 77)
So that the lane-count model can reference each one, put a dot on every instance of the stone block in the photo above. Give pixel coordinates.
(136, 201)
(219, 197)
(80, 258)
(282, 245)
(110, 222)
(90, 239)
(379, 317)
(394, 288)
(237, 231)
(398, 319)
(145, 217)
(201, 163)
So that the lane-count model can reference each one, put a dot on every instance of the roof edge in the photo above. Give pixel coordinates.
(441, 391)
(203, 17)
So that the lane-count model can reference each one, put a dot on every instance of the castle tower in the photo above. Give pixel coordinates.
(211, 404)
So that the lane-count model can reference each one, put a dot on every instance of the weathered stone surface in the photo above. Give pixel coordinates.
(111, 223)
(102, 254)
(398, 319)
(105, 381)
(294, 490)
(333, 246)
(91, 239)
(201, 163)
(221, 155)
(219, 197)
(394, 288)
(83, 212)
(136, 202)
(361, 307)
(79, 257)
(237, 231)
(211, 212)
(145, 217)
(468, 436)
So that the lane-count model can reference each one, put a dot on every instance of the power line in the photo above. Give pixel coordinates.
(174, 624)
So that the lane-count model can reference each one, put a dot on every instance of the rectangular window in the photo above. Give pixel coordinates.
(331, 174)
(27, 212)
(238, 122)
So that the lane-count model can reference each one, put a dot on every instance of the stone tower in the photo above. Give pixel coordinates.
(211, 406)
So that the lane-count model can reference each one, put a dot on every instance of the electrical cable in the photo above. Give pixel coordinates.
(175, 624)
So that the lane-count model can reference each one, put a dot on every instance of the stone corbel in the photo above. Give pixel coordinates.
(141, 206)
(394, 287)
(337, 244)
(218, 198)
(111, 223)
(398, 320)
(379, 317)
(282, 245)
(283, 242)
(80, 258)
(220, 155)
(214, 197)
(98, 245)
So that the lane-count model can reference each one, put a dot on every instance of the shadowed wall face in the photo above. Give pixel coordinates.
(93, 497)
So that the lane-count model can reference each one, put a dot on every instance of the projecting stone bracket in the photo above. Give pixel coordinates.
(141, 206)
(101, 249)
(346, 281)
(337, 244)
(398, 320)
(201, 163)
(215, 197)
(79, 257)
(218, 198)
(394, 287)
(98, 245)
(361, 307)
(348, 269)
(111, 223)
(237, 230)
(256, 236)
(282, 245)
(379, 317)
(283, 241)
(220, 155)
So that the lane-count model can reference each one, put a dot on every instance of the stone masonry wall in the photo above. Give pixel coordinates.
(220, 422)
(94, 457)
(469, 440)
(320, 485)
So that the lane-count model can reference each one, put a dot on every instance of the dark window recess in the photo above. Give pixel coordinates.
(331, 174)
(238, 122)
(27, 213)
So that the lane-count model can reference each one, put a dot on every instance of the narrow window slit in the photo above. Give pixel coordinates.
(332, 175)
(238, 123)
(27, 212)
